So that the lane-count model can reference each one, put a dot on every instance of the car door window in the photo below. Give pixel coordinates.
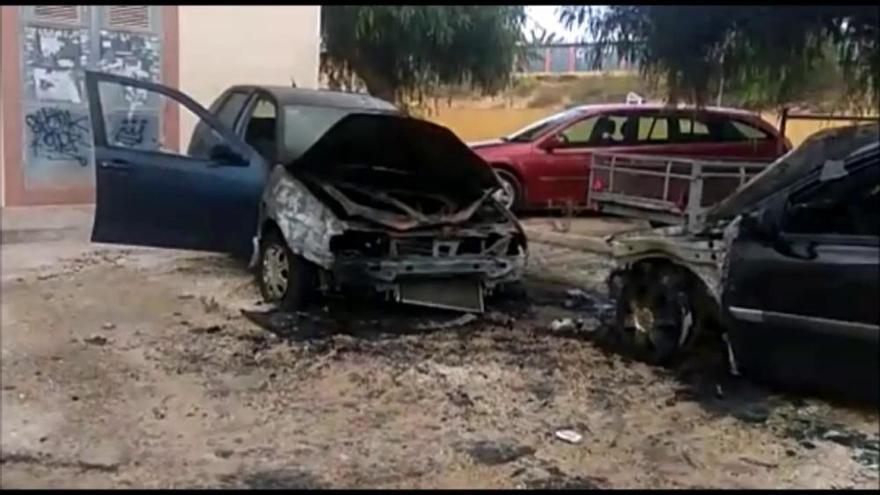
(653, 130)
(231, 107)
(260, 128)
(848, 206)
(693, 130)
(227, 112)
(613, 130)
(578, 134)
(734, 130)
(135, 118)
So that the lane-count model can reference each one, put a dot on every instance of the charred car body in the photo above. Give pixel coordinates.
(361, 196)
(786, 271)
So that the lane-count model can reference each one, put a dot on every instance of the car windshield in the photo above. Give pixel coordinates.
(535, 130)
(305, 124)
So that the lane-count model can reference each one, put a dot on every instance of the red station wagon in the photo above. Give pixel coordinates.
(547, 163)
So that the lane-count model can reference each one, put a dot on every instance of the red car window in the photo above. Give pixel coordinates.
(579, 133)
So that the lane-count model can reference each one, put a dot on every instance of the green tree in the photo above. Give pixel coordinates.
(402, 53)
(772, 52)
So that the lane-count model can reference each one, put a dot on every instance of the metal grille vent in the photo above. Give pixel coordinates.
(67, 14)
(128, 17)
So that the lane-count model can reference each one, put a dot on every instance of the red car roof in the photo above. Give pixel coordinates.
(616, 107)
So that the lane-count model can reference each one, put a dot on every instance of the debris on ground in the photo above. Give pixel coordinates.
(754, 414)
(569, 436)
(453, 323)
(493, 453)
(96, 340)
(562, 325)
(209, 330)
(807, 431)
(108, 326)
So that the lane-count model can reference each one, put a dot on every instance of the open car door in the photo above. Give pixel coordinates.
(149, 192)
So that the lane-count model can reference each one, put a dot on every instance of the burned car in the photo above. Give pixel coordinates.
(320, 190)
(786, 272)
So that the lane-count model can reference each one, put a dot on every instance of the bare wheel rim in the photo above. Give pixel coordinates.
(650, 329)
(275, 271)
(507, 193)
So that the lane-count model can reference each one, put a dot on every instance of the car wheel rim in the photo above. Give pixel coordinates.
(275, 272)
(506, 194)
(642, 320)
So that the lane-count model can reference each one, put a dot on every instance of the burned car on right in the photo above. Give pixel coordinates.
(784, 273)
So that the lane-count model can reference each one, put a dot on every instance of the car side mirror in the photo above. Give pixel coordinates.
(224, 154)
(766, 222)
(551, 143)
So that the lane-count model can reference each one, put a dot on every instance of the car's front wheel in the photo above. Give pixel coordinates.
(510, 194)
(655, 318)
(285, 278)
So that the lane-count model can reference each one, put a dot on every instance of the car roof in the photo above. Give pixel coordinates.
(286, 95)
(616, 107)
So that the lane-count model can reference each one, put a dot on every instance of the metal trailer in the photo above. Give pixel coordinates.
(676, 190)
(663, 190)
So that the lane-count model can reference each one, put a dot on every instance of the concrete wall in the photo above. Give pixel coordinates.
(223, 45)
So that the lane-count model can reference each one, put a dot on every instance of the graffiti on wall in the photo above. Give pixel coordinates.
(54, 59)
(57, 128)
(135, 55)
(58, 134)
(131, 55)
(130, 132)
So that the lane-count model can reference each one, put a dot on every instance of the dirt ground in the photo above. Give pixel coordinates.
(137, 368)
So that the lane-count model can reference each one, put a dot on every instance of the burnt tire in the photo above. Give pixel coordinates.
(654, 318)
(512, 189)
(285, 278)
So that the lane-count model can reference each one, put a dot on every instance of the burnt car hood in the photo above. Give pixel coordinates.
(831, 144)
(430, 156)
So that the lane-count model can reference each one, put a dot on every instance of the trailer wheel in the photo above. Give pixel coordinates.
(654, 317)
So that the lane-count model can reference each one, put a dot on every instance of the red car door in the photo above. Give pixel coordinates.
(560, 171)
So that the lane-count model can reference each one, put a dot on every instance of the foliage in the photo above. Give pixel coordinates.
(400, 53)
(771, 52)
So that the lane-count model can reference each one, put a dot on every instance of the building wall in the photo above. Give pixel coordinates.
(570, 59)
(47, 141)
(45, 135)
(221, 46)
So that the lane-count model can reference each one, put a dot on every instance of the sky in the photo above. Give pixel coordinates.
(546, 17)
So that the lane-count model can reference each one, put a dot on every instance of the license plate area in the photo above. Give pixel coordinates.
(461, 294)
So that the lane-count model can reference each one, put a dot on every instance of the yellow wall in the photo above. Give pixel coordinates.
(224, 45)
(474, 124)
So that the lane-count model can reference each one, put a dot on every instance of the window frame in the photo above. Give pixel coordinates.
(810, 187)
(247, 113)
(225, 101)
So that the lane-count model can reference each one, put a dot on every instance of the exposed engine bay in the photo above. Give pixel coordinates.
(399, 206)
